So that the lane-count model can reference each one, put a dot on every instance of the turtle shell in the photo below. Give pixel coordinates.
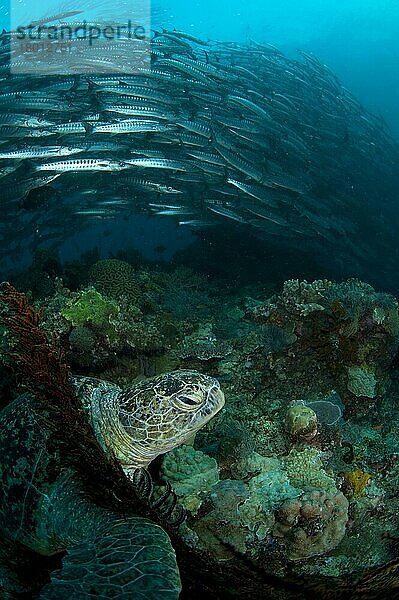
(29, 468)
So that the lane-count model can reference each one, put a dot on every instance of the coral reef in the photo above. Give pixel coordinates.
(82, 339)
(328, 410)
(220, 528)
(362, 381)
(299, 473)
(292, 501)
(38, 362)
(275, 339)
(96, 329)
(267, 492)
(184, 303)
(355, 482)
(345, 332)
(203, 345)
(115, 278)
(305, 468)
(184, 294)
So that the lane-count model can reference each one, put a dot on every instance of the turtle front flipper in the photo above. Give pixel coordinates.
(128, 557)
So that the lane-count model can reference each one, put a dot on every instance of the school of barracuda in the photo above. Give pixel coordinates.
(209, 132)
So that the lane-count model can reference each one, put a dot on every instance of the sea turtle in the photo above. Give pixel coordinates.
(46, 508)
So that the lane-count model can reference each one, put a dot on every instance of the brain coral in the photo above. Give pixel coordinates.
(312, 524)
(115, 278)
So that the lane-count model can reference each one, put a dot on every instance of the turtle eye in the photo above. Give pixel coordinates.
(187, 400)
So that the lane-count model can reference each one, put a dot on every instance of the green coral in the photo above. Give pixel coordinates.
(305, 469)
(192, 473)
(90, 307)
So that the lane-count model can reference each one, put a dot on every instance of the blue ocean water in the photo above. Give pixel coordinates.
(357, 39)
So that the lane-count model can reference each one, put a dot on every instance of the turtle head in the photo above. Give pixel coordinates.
(165, 411)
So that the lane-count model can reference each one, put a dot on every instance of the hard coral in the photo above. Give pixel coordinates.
(39, 365)
(268, 491)
(204, 345)
(305, 468)
(191, 473)
(362, 381)
(339, 328)
(221, 526)
(301, 422)
(82, 339)
(312, 524)
(115, 278)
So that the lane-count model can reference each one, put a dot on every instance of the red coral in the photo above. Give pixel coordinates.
(38, 362)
